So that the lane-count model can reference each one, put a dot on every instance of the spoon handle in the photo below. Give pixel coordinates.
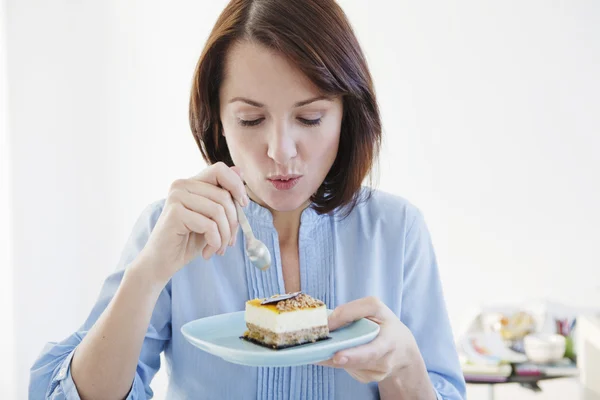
(243, 221)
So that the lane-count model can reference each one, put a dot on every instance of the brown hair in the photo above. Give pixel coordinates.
(316, 36)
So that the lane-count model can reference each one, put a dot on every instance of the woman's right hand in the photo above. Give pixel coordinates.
(199, 216)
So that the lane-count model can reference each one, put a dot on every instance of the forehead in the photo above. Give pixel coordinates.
(255, 71)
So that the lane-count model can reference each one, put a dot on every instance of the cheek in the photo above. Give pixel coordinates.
(324, 149)
(330, 139)
(244, 149)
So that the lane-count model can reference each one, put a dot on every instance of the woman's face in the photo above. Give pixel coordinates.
(281, 131)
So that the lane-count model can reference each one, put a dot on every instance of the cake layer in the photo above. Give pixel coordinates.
(281, 322)
(287, 339)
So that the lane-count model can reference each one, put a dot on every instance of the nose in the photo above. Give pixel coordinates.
(282, 146)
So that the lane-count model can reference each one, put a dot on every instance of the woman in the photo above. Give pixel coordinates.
(283, 109)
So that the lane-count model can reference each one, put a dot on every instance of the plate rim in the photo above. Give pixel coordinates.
(211, 347)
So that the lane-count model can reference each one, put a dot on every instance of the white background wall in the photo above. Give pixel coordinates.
(7, 375)
(491, 120)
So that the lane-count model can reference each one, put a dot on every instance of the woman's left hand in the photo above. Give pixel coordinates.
(387, 355)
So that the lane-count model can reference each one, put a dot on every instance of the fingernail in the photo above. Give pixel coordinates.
(208, 252)
(341, 361)
(245, 200)
(221, 252)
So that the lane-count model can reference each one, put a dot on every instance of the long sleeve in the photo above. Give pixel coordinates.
(50, 376)
(424, 313)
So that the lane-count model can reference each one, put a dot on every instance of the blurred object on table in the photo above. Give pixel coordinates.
(588, 351)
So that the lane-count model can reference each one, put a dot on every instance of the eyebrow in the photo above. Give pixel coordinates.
(260, 105)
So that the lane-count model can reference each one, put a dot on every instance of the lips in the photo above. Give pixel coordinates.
(284, 182)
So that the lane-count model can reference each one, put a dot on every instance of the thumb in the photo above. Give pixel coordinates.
(368, 307)
(339, 318)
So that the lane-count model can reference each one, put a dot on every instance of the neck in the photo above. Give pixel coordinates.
(287, 223)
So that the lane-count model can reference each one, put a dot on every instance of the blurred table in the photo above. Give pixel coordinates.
(529, 382)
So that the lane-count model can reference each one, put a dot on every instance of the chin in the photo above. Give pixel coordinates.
(284, 201)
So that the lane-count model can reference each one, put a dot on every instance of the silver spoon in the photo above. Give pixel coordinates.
(256, 250)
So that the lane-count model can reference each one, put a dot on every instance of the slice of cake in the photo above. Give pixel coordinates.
(286, 320)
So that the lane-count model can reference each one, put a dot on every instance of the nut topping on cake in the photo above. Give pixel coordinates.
(299, 302)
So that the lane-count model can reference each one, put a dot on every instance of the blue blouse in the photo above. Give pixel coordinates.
(381, 249)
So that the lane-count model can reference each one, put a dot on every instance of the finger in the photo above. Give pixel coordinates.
(238, 171)
(208, 252)
(210, 209)
(365, 356)
(216, 194)
(220, 174)
(368, 307)
(202, 225)
(328, 363)
(362, 375)
(367, 376)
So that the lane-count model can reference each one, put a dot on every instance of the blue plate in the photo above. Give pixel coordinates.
(220, 335)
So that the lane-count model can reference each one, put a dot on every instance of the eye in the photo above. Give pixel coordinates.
(310, 122)
(252, 122)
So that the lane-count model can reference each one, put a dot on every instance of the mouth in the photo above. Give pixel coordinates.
(284, 182)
